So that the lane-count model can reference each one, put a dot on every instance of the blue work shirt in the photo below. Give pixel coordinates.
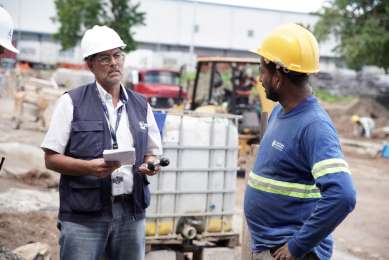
(300, 188)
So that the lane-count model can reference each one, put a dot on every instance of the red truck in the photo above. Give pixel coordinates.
(161, 87)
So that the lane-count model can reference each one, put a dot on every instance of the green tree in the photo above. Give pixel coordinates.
(76, 16)
(362, 26)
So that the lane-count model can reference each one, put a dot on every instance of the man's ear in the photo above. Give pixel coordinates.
(278, 79)
(89, 63)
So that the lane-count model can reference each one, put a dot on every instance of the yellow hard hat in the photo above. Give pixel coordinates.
(292, 47)
(355, 119)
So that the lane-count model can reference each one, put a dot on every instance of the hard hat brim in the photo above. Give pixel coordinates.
(93, 52)
(9, 47)
(255, 51)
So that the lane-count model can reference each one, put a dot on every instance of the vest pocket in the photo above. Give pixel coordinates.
(85, 194)
(86, 139)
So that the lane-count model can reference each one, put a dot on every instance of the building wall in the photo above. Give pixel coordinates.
(183, 22)
(171, 26)
(32, 15)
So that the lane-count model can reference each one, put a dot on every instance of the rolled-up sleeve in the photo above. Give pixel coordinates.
(154, 146)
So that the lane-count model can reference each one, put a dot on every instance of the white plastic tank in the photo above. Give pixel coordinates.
(198, 187)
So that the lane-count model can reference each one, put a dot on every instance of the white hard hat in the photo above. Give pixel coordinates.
(6, 30)
(98, 39)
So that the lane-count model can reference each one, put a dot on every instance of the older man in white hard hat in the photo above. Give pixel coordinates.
(6, 31)
(102, 201)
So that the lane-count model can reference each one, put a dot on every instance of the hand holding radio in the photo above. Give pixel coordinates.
(153, 167)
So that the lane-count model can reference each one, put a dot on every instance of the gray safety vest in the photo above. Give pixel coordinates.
(88, 197)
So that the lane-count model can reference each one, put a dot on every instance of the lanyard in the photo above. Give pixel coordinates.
(118, 116)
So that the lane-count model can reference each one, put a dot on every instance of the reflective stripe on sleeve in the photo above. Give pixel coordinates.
(329, 166)
(296, 190)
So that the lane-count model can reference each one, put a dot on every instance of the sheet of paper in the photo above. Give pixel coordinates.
(124, 156)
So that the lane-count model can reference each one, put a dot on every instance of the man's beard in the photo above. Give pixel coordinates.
(270, 92)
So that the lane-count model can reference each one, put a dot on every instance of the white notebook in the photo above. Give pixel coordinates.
(124, 156)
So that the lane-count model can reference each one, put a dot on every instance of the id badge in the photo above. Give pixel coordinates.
(117, 183)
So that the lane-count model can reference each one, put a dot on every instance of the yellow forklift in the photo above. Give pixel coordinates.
(231, 85)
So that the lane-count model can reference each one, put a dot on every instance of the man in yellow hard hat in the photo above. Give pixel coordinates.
(300, 188)
(102, 200)
(363, 126)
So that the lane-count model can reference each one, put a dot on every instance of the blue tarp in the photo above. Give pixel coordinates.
(385, 151)
(160, 117)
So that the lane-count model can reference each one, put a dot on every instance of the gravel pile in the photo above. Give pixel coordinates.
(347, 82)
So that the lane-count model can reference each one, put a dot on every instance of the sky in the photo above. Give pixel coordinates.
(304, 6)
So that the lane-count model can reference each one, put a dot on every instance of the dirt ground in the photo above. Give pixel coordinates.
(341, 114)
(364, 234)
(18, 229)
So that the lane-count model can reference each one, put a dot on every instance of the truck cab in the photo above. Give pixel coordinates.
(161, 87)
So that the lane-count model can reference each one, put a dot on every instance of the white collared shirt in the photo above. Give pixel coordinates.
(58, 133)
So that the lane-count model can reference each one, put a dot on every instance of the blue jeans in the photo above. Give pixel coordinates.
(121, 239)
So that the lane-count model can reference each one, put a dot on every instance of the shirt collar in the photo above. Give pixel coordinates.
(300, 107)
(106, 96)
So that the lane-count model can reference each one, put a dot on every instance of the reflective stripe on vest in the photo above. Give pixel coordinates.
(297, 190)
(329, 166)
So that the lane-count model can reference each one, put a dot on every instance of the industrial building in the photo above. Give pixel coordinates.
(176, 30)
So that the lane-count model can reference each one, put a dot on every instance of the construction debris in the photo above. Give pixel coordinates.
(38, 93)
(26, 163)
(34, 251)
(6, 254)
(373, 150)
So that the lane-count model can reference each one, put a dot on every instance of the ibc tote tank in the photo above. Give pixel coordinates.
(195, 194)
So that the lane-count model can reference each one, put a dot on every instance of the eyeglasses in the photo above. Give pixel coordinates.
(107, 59)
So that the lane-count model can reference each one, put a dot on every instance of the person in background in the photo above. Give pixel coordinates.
(363, 126)
(300, 188)
(102, 203)
(6, 32)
